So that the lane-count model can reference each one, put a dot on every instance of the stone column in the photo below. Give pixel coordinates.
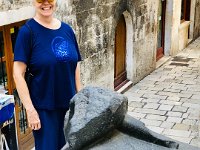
(172, 22)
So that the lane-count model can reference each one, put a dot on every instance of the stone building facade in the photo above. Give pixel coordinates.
(197, 19)
(95, 22)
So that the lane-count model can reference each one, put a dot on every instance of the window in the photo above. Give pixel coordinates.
(185, 10)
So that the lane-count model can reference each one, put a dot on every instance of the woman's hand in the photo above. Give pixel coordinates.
(19, 69)
(77, 78)
(33, 119)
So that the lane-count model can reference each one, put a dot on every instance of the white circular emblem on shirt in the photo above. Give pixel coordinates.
(60, 48)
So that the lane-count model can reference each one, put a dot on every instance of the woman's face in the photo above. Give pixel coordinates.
(45, 8)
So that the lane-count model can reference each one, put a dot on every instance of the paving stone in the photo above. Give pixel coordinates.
(194, 116)
(195, 96)
(184, 99)
(185, 95)
(193, 89)
(174, 119)
(180, 109)
(130, 108)
(179, 126)
(155, 129)
(195, 142)
(146, 84)
(162, 93)
(167, 76)
(156, 88)
(133, 94)
(149, 122)
(156, 117)
(177, 133)
(193, 86)
(192, 110)
(194, 134)
(136, 115)
(165, 107)
(150, 111)
(136, 104)
(167, 125)
(163, 84)
(173, 81)
(181, 139)
(185, 115)
(174, 114)
(152, 105)
(195, 128)
(189, 121)
(147, 91)
(173, 98)
(154, 96)
(168, 102)
(190, 76)
(133, 89)
(191, 105)
(172, 90)
(134, 99)
(188, 82)
(179, 86)
(150, 100)
(189, 92)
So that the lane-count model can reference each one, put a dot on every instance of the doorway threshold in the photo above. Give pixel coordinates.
(125, 87)
(162, 60)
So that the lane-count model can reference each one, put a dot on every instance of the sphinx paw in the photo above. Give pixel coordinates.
(172, 144)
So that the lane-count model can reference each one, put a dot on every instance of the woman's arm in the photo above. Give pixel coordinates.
(77, 78)
(19, 69)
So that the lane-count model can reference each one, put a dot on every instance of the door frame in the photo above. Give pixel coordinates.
(25, 139)
(160, 51)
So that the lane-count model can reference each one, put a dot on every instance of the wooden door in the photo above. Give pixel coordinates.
(24, 134)
(161, 29)
(120, 74)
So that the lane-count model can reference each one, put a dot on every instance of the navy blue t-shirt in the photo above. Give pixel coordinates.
(52, 57)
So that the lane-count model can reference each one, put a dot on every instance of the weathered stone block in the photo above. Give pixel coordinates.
(94, 112)
(98, 120)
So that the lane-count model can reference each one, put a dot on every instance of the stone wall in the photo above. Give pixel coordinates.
(94, 23)
(15, 10)
(6, 5)
(144, 16)
(197, 20)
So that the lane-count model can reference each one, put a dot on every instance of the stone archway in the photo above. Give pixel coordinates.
(130, 60)
(130, 53)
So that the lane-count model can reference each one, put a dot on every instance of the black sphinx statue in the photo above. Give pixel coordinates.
(98, 120)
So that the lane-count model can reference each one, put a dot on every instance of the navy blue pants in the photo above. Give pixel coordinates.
(51, 135)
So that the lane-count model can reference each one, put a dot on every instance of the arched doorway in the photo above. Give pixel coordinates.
(120, 74)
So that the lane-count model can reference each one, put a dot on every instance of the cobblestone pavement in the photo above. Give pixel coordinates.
(168, 100)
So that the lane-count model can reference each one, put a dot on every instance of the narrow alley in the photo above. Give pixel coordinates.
(168, 100)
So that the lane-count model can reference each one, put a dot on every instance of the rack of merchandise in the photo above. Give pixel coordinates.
(6, 117)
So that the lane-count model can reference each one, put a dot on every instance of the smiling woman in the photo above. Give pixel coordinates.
(48, 48)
